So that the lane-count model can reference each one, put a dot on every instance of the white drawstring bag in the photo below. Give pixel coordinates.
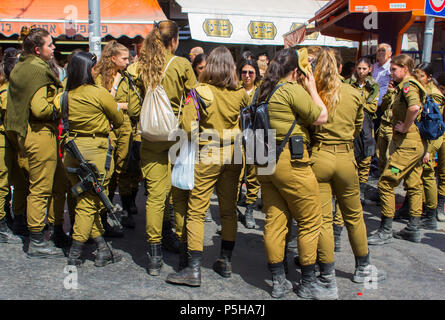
(157, 118)
(183, 173)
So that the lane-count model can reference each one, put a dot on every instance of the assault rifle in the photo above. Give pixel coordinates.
(88, 174)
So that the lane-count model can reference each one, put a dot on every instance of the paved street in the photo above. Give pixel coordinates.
(415, 271)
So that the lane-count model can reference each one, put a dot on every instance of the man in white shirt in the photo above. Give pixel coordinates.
(380, 70)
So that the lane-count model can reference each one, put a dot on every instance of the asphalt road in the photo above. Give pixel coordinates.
(414, 271)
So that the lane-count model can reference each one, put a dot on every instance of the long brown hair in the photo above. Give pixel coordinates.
(154, 50)
(403, 60)
(220, 69)
(105, 66)
(327, 79)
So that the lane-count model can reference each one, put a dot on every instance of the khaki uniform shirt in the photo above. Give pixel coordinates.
(370, 92)
(91, 109)
(289, 101)
(42, 104)
(345, 123)
(3, 101)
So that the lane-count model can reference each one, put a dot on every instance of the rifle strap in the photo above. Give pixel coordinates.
(64, 106)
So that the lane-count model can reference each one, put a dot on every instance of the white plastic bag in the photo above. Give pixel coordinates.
(183, 173)
(157, 118)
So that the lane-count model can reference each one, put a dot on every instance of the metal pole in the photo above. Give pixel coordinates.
(94, 27)
(428, 39)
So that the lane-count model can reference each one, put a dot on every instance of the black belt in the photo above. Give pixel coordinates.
(93, 135)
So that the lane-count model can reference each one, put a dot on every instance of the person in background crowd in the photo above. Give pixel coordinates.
(263, 57)
(194, 52)
(348, 70)
(381, 69)
(199, 64)
(250, 80)
(406, 150)
(247, 55)
(441, 159)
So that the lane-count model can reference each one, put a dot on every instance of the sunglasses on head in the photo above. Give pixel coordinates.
(251, 73)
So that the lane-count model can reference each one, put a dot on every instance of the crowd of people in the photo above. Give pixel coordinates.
(328, 120)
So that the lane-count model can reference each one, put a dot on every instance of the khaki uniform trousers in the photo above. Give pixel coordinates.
(429, 177)
(252, 184)
(88, 206)
(336, 171)
(224, 178)
(18, 174)
(41, 150)
(405, 156)
(5, 165)
(121, 139)
(383, 141)
(441, 168)
(56, 203)
(291, 191)
(364, 166)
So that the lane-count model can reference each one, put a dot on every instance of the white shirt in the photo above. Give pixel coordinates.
(382, 75)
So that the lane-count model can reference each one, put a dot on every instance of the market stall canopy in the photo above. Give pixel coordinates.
(259, 22)
(70, 17)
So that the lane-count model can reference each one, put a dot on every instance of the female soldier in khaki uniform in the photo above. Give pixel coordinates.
(32, 120)
(291, 191)
(90, 110)
(335, 167)
(424, 74)
(157, 51)
(6, 235)
(250, 76)
(219, 168)
(405, 154)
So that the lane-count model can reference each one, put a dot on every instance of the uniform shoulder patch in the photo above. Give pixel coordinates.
(406, 89)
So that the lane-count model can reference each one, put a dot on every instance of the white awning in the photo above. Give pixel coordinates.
(260, 22)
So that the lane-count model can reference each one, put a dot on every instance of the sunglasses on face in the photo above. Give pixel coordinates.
(245, 72)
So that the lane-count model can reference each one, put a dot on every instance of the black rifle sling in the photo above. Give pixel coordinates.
(66, 125)
(286, 138)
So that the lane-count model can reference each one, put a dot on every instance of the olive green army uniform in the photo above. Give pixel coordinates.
(218, 166)
(385, 131)
(291, 191)
(370, 92)
(405, 154)
(37, 135)
(91, 110)
(178, 80)
(252, 184)
(335, 168)
(5, 156)
(428, 174)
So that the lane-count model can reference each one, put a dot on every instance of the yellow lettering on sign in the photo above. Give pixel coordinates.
(218, 28)
(262, 30)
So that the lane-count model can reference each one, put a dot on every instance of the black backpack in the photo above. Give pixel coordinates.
(364, 143)
(259, 144)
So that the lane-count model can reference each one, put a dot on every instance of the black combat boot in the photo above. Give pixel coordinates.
(182, 255)
(169, 240)
(58, 236)
(337, 236)
(403, 212)
(383, 234)
(430, 221)
(191, 275)
(40, 248)
(127, 220)
(440, 208)
(6, 235)
(20, 226)
(249, 220)
(154, 259)
(74, 257)
(365, 272)
(223, 266)
(309, 287)
(281, 285)
(105, 254)
(411, 232)
(327, 280)
(110, 231)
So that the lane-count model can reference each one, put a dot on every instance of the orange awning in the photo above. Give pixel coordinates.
(70, 17)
